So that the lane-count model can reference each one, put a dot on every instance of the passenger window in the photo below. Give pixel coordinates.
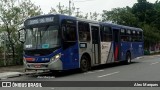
(84, 32)
(125, 35)
(140, 36)
(123, 31)
(69, 34)
(128, 32)
(106, 34)
(134, 36)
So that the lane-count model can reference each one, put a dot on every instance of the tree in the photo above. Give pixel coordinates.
(144, 11)
(151, 35)
(143, 14)
(93, 16)
(122, 16)
(61, 9)
(156, 21)
(13, 16)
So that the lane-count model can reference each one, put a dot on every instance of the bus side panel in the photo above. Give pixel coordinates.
(125, 46)
(105, 48)
(70, 57)
(135, 46)
(137, 49)
(110, 56)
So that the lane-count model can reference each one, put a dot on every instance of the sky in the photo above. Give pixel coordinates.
(86, 5)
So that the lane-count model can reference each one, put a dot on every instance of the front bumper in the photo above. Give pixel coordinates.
(52, 65)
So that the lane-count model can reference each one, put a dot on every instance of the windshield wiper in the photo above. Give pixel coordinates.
(46, 29)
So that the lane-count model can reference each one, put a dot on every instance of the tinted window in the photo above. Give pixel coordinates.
(84, 31)
(106, 34)
(125, 35)
(128, 32)
(123, 31)
(69, 33)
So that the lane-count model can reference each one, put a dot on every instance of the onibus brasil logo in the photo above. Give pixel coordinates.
(18, 84)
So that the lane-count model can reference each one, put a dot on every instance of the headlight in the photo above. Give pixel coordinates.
(56, 57)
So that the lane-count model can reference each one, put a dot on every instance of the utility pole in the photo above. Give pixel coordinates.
(60, 8)
(69, 7)
(77, 12)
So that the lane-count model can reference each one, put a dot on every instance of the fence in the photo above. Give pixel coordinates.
(7, 59)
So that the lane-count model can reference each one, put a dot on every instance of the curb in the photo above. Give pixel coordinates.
(35, 72)
(18, 74)
(11, 75)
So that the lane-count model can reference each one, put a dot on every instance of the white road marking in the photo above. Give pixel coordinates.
(108, 74)
(154, 63)
(139, 57)
(89, 72)
(52, 88)
(100, 70)
(151, 56)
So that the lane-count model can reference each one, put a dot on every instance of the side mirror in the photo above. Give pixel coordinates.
(22, 35)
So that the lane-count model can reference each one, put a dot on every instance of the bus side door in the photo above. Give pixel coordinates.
(95, 29)
(117, 48)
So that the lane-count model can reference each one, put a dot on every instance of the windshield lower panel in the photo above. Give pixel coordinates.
(42, 38)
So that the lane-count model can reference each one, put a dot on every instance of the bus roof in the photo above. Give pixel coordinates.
(84, 20)
(120, 26)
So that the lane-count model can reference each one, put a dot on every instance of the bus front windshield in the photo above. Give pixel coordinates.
(42, 38)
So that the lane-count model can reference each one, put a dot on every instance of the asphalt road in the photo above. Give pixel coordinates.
(142, 69)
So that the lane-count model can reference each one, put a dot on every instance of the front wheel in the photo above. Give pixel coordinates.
(55, 72)
(84, 64)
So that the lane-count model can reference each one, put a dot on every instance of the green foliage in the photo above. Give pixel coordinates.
(143, 14)
(151, 35)
(121, 16)
(61, 9)
(144, 11)
(12, 15)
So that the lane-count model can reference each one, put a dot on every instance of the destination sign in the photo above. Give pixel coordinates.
(40, 20)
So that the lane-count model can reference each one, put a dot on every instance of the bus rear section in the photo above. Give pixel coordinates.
(131, 43)
(125, 44)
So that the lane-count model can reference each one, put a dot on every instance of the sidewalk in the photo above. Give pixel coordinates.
(11, 71)
(18, 68)
(15, 71)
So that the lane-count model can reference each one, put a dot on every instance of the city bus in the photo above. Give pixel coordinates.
(58, 42)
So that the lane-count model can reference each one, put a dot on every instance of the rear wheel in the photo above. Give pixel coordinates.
(128, 58)
(84, 64)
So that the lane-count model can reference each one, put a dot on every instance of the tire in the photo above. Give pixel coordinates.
(84, 64)
(128, 58)
(55, 72)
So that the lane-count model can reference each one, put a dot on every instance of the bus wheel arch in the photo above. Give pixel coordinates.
(85, 62)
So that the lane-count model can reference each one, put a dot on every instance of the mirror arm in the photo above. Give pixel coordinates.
(19, 35)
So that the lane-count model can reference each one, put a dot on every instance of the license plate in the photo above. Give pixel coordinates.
(37, 65)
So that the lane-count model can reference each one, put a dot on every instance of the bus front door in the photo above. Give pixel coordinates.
(95, 43)
(116, 38)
